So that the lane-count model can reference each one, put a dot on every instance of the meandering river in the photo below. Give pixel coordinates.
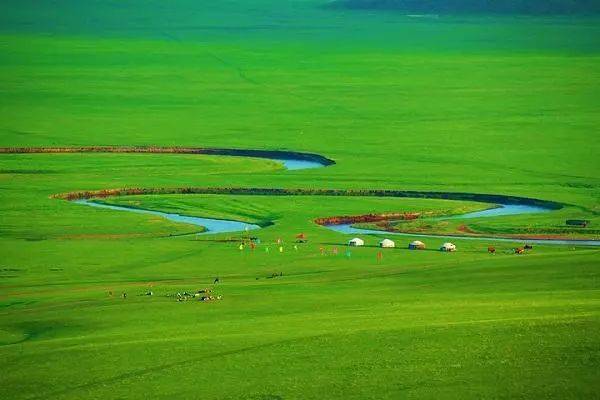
(210, 225)
(213, 226)
(503, 205)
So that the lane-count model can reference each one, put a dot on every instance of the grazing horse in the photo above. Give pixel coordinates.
(492, 250)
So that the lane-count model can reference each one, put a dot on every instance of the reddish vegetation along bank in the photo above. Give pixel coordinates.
(270, 154)
(356, 219)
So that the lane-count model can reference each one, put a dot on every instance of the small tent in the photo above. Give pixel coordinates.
(416, 245)
(356, 242)
(301, 238)
(448, 247)
(387, 243)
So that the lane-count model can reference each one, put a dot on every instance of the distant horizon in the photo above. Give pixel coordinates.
(458, 7)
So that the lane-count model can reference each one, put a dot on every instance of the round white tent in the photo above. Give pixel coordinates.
(356, 242)
(387, 243)
(448, 247)
(416, 245)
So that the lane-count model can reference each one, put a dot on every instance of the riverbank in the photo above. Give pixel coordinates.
(250, 191)
(276, 155)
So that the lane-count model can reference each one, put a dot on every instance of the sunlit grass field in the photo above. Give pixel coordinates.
(479, 104)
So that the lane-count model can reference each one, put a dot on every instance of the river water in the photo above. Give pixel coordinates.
(299, 164)
(210, 224)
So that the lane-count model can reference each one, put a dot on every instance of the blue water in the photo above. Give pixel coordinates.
(299, 164)
(224, 226)
(211, 225)
(502, 209)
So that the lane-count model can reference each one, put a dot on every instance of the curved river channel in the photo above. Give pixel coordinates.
(213, 226)
(210, 225)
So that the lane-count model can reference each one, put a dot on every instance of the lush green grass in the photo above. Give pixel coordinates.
(472, 104)
(285, 210)
(525, 225)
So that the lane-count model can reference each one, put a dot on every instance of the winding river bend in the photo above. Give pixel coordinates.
(211, 225)
(504, 205)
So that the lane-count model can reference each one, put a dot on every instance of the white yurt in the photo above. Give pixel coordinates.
(387, 243)
(448, 247)
(416, 245)
(356, 242)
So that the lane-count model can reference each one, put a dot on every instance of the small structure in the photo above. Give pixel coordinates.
(448, 247)
(356, 242)
(416, 245)
(582, 223)
(387, 243)
(301, 238)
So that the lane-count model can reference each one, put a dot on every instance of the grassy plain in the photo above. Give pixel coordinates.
(504, 105)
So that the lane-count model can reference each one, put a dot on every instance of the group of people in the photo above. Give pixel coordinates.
(200, 295)
(252, 244)
(334, 251)
(279, 247)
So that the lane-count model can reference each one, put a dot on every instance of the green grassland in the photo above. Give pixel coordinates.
(526, 226)
(481, 104)
(301, 209)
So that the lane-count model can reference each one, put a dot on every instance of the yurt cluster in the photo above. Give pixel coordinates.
(414, 245)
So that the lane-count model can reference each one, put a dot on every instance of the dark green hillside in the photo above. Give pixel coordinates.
(528, 7)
